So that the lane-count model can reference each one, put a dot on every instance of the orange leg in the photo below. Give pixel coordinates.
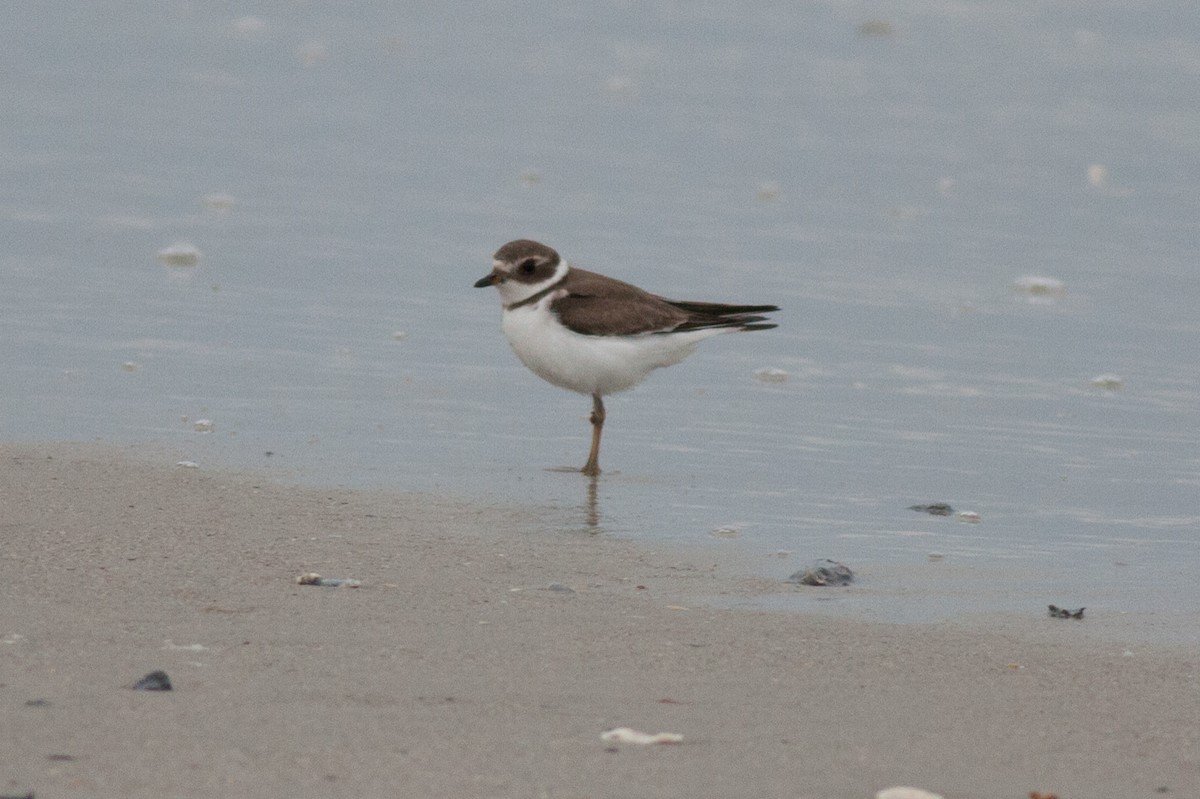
(592, 467)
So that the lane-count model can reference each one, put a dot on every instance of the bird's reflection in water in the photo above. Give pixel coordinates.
(593, 507)
(591, 504)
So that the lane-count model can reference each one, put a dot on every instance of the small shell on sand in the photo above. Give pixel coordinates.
(219, 201)
(768, 191)
(248, 27)
(312, 578)
(181, 253)
(1039, 286)
(626, 735)
(876, 27)
(770, 375)
(902, 792)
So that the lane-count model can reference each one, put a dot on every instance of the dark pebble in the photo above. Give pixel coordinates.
(935, 509)
(823, 572)
(1062, 613)
(154, 681)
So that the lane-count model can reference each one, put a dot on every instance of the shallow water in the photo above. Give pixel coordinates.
(885, 185)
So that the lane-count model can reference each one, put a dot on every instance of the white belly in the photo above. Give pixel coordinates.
(591, 364)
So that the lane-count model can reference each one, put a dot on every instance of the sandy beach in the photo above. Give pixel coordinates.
(479, 659)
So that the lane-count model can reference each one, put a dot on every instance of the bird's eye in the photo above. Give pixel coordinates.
(527, 267)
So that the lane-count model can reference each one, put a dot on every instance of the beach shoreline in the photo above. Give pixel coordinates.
(483, 656)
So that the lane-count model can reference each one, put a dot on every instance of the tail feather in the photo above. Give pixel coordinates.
(707, 315)
(721, 309)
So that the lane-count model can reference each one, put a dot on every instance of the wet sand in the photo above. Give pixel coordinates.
(457, 670)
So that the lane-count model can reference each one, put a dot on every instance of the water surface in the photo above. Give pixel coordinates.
(885, 177)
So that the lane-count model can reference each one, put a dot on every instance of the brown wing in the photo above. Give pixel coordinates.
(596, 305)
(601, 306)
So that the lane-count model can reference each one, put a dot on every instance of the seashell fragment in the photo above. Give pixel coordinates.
(182, 253)
(904, 792)
(1037, 287)
(770, 375)
(312, 578)
(626, 735)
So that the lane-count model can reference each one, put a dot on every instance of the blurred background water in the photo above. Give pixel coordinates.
(884, 171)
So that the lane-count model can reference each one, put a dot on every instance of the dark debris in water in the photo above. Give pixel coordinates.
(823, 572)
(933, 509)
(1062, 613)
(154, 681)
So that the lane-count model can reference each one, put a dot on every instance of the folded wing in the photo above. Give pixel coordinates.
(599, 306)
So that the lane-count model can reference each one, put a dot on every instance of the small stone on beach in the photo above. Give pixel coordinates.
(823, 572)
(933, 509)
(154, 681)
(1062, 613)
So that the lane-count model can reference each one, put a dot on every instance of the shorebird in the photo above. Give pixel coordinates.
(597, 335)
